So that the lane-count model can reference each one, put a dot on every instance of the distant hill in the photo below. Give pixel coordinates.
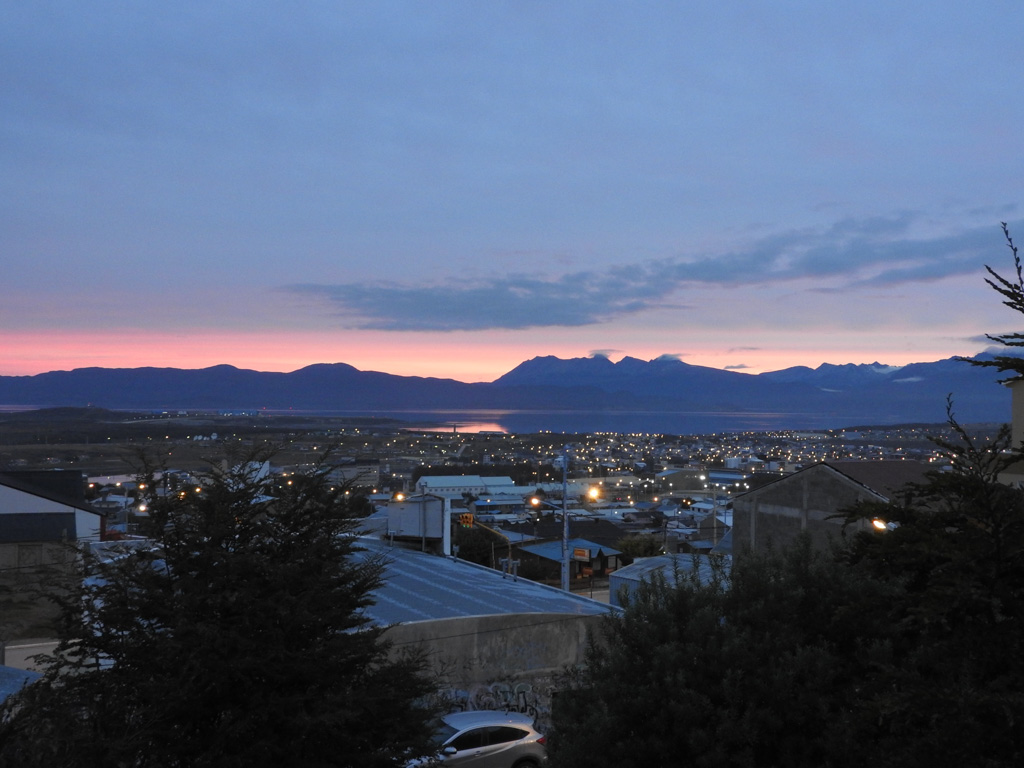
(885, 394)
(916, 392)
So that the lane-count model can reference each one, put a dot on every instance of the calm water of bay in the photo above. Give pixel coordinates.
(625, 422)
(581, 422)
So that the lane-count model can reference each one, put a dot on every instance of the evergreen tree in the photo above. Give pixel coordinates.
(759, 667)
(903, 648)
(635, 545)
(235, 638)
(952, 690)
(1012, 292)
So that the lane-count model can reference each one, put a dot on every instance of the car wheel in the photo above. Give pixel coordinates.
(527, 763)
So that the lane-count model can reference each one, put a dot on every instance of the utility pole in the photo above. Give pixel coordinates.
(509, 566)
(565, 519)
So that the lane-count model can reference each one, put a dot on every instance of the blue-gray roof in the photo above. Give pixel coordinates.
(516, 536)
(11, 680)
(552, 550)
(424, 587)
(724, 545)
(645, 568)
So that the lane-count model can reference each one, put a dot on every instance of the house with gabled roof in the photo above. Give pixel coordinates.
(13, 680)
(46, 507)
(457, 485)
(626, 581)
(40, 513)
(1014, 475)
(810, 501)
(587, 558)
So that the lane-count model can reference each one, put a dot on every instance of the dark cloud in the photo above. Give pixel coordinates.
(514, 301)
(1004, 351)
(870, 252)
(995, 211)
(989, 338)
(740, 367)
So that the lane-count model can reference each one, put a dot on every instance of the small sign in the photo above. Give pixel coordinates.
(581, 553)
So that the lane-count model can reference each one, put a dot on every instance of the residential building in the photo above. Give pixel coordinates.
(457, 485)
(811, 501)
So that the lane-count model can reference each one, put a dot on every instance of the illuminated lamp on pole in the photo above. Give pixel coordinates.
(535, 501)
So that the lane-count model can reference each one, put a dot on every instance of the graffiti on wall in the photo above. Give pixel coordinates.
(505, 695)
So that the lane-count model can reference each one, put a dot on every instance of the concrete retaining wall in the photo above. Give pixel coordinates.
(500, 662)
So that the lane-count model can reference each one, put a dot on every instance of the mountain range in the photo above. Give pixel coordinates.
(863, 394)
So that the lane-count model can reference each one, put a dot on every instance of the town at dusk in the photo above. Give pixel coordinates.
(511, 384)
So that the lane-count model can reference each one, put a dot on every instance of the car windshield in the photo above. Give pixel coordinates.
(442, 732)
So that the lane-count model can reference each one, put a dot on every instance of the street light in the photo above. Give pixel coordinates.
(536, 501)
(565, 519)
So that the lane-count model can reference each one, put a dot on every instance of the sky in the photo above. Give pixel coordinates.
(448, 189)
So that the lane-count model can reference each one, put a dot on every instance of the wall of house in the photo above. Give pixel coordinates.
(420, 516)
(35, 534)
(27, 562)
(27, 517)
(805, 502)
(1016, 410)
(13, 501)
(1014, 475)
(88, 525)
(361, 473)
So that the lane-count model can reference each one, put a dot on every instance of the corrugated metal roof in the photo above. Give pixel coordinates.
(552, 550)
(516, 536)
(12, 680)
(460, 481)
(644, 569)
(499, 501)
(27, 482)
(886, 478)
(423, 587)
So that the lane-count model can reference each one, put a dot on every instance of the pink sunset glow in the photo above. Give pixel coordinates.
(482, 360)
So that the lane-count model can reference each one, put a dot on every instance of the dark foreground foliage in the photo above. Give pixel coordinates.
(236, 639)
(904, 648)
(1011, 291)
(753, 669)
(953, 689)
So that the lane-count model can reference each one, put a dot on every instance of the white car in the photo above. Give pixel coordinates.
(488, 739)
